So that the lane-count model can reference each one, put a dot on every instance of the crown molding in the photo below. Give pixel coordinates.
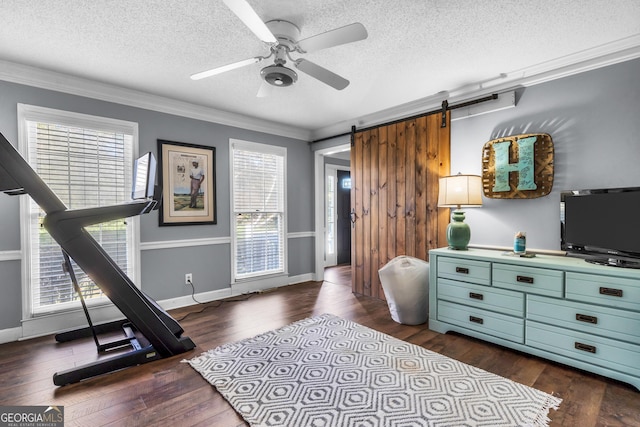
(604, 55)
(50, 80)
(600, 56)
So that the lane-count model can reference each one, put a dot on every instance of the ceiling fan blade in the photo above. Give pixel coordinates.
(265, 90)
(251, 19)
(347, 34)
(225, 68)
(325, 76)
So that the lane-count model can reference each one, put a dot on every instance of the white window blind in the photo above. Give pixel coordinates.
(85, 167)
(258, 186)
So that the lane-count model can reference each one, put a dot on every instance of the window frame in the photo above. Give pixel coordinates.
(67, 313)
(265, 149)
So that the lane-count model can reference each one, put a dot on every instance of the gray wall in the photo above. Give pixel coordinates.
(163, 269)
(334, 161)
(594, 121)
(592, 118)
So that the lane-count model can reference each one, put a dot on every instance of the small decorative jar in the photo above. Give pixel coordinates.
(520, 243)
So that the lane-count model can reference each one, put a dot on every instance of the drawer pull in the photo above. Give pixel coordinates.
(611, 292)
(475, 319)
(462, 270)
(586, 318)
(585, 347)
(525, 279)
(473, 295)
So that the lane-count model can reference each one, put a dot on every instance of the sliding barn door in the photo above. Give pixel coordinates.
(394, 174)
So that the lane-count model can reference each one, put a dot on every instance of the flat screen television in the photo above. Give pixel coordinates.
(144, 177)
(601, 226)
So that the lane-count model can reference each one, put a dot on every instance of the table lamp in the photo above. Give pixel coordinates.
(457, 191)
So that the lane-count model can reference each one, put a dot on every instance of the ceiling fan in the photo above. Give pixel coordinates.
(282, 37)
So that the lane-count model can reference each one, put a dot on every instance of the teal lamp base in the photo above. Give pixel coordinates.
(458, 232)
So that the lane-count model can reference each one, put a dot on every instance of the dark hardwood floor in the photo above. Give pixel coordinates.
(340, 274)
(167, 392)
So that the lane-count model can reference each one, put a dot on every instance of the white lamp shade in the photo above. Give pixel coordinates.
(456, 191)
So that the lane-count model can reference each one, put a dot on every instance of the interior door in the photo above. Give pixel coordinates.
(343, 210)
(394, 194)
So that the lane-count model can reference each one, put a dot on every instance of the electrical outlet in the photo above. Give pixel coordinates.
(188, 279)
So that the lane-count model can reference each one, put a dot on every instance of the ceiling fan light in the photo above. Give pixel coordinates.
(279, 75)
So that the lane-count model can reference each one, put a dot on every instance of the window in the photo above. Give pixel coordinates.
(87, 161)
(258, 182)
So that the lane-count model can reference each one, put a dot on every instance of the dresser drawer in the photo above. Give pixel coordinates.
(487, 322)
(605, 352)
(592, 319)
(606, 290)
(501, 300)
(463, 269)
(529, 279)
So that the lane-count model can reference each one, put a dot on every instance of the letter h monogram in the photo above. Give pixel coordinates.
(525, 165)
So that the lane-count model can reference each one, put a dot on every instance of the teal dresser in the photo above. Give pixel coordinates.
(559, 308)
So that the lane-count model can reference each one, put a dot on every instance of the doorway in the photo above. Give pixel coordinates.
(337, 215)
(320, 190)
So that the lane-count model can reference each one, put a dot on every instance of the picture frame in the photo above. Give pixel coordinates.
(187, 174)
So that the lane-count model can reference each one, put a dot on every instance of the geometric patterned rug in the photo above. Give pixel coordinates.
(327, 371)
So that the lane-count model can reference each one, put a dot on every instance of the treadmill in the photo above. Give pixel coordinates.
(150, 332)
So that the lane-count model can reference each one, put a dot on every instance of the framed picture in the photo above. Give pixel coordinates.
(188, 178)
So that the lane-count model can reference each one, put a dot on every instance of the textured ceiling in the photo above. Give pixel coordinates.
(415, 48)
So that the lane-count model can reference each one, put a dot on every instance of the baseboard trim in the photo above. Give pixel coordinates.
(301, 278)
(10, 335)
(187, 300)
(53, 324)
(259, 285)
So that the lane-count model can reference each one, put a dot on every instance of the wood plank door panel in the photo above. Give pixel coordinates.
(357, 230)
(395, 171)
